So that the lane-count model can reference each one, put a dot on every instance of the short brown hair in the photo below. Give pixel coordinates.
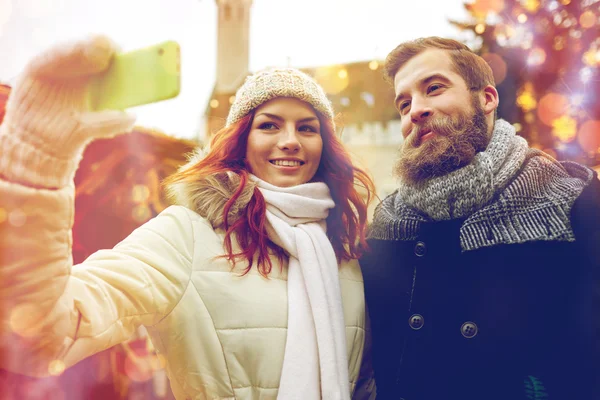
(472, 68)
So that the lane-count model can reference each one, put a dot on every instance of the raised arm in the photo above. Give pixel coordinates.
(51, 313)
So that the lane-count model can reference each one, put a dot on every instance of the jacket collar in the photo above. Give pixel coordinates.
(207, 196)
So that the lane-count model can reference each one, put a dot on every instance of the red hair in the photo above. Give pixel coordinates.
(346, 223)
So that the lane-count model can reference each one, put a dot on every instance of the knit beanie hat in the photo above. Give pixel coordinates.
(278, 82)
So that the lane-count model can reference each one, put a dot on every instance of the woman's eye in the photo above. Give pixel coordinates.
(267, 126)
(308, 128)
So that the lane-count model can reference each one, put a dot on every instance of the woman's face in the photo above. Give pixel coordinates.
(284, 144)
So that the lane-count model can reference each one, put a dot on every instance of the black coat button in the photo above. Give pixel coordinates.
(469, 329)
(420, 249)
(416, 321)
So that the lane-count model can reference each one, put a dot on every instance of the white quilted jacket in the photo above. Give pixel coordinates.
(222, 334)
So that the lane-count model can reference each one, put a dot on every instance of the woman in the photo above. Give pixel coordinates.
(249, 288)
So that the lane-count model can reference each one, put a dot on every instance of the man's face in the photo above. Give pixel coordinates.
(443, 122)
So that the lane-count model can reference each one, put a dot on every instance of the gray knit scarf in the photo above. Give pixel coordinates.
(508, 194)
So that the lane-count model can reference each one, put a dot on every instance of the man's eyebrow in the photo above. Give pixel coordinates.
(424, 81)
(278, 118)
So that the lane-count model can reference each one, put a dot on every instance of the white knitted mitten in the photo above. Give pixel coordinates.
(48, 123)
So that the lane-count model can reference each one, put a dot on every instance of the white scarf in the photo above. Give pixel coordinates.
(315, 364)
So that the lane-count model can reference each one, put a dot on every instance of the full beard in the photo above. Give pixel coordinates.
(458, 139)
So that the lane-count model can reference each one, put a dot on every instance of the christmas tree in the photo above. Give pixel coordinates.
(545, 55)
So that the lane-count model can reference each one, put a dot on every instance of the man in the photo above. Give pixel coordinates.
(481, 280)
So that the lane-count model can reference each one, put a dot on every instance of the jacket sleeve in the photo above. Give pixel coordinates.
(54, 314)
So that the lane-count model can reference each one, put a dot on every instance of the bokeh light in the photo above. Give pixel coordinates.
(56, 367)
(531, 5)
(214, 103)
(481, 8)
(564, 128)
(522, 18)
(333, 79)
(140, 193)
(551, 107)
(526, 100)
(587, 19)
(373, 65)
(589, 136)
(536, 57)
(479, 28)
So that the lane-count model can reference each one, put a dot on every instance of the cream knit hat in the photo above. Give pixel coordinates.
(278, 82)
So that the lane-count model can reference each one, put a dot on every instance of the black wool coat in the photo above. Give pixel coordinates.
(510, 322)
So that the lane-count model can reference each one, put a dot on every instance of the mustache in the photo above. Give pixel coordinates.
(442, 126)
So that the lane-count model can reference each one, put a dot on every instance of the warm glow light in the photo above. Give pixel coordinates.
(536, 57)
(56, 368)
(214, 103)
(532, 5)
(479, 28)
(522, 18)
(518, 127)
(564, 128)
(231, 99)
(565, 2)
(140, 193)
(526, 101)
(589, 136)
(587, 19)
(551, 107)
(482, 8)
(333, 79)
(589, 58)
(373, 65)
(559, 43)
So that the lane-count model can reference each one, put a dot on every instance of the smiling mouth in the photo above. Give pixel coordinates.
(287, 163)
(425, 136)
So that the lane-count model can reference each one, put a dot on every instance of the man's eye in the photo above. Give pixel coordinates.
(433, 87)
(403, 106)
(267, 126)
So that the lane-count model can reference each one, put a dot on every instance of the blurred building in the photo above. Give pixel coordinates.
(367, 121)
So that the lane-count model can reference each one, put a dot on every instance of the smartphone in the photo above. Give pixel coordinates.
(138, 77)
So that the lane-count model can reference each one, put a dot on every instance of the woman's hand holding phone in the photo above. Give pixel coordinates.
(48, 118)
